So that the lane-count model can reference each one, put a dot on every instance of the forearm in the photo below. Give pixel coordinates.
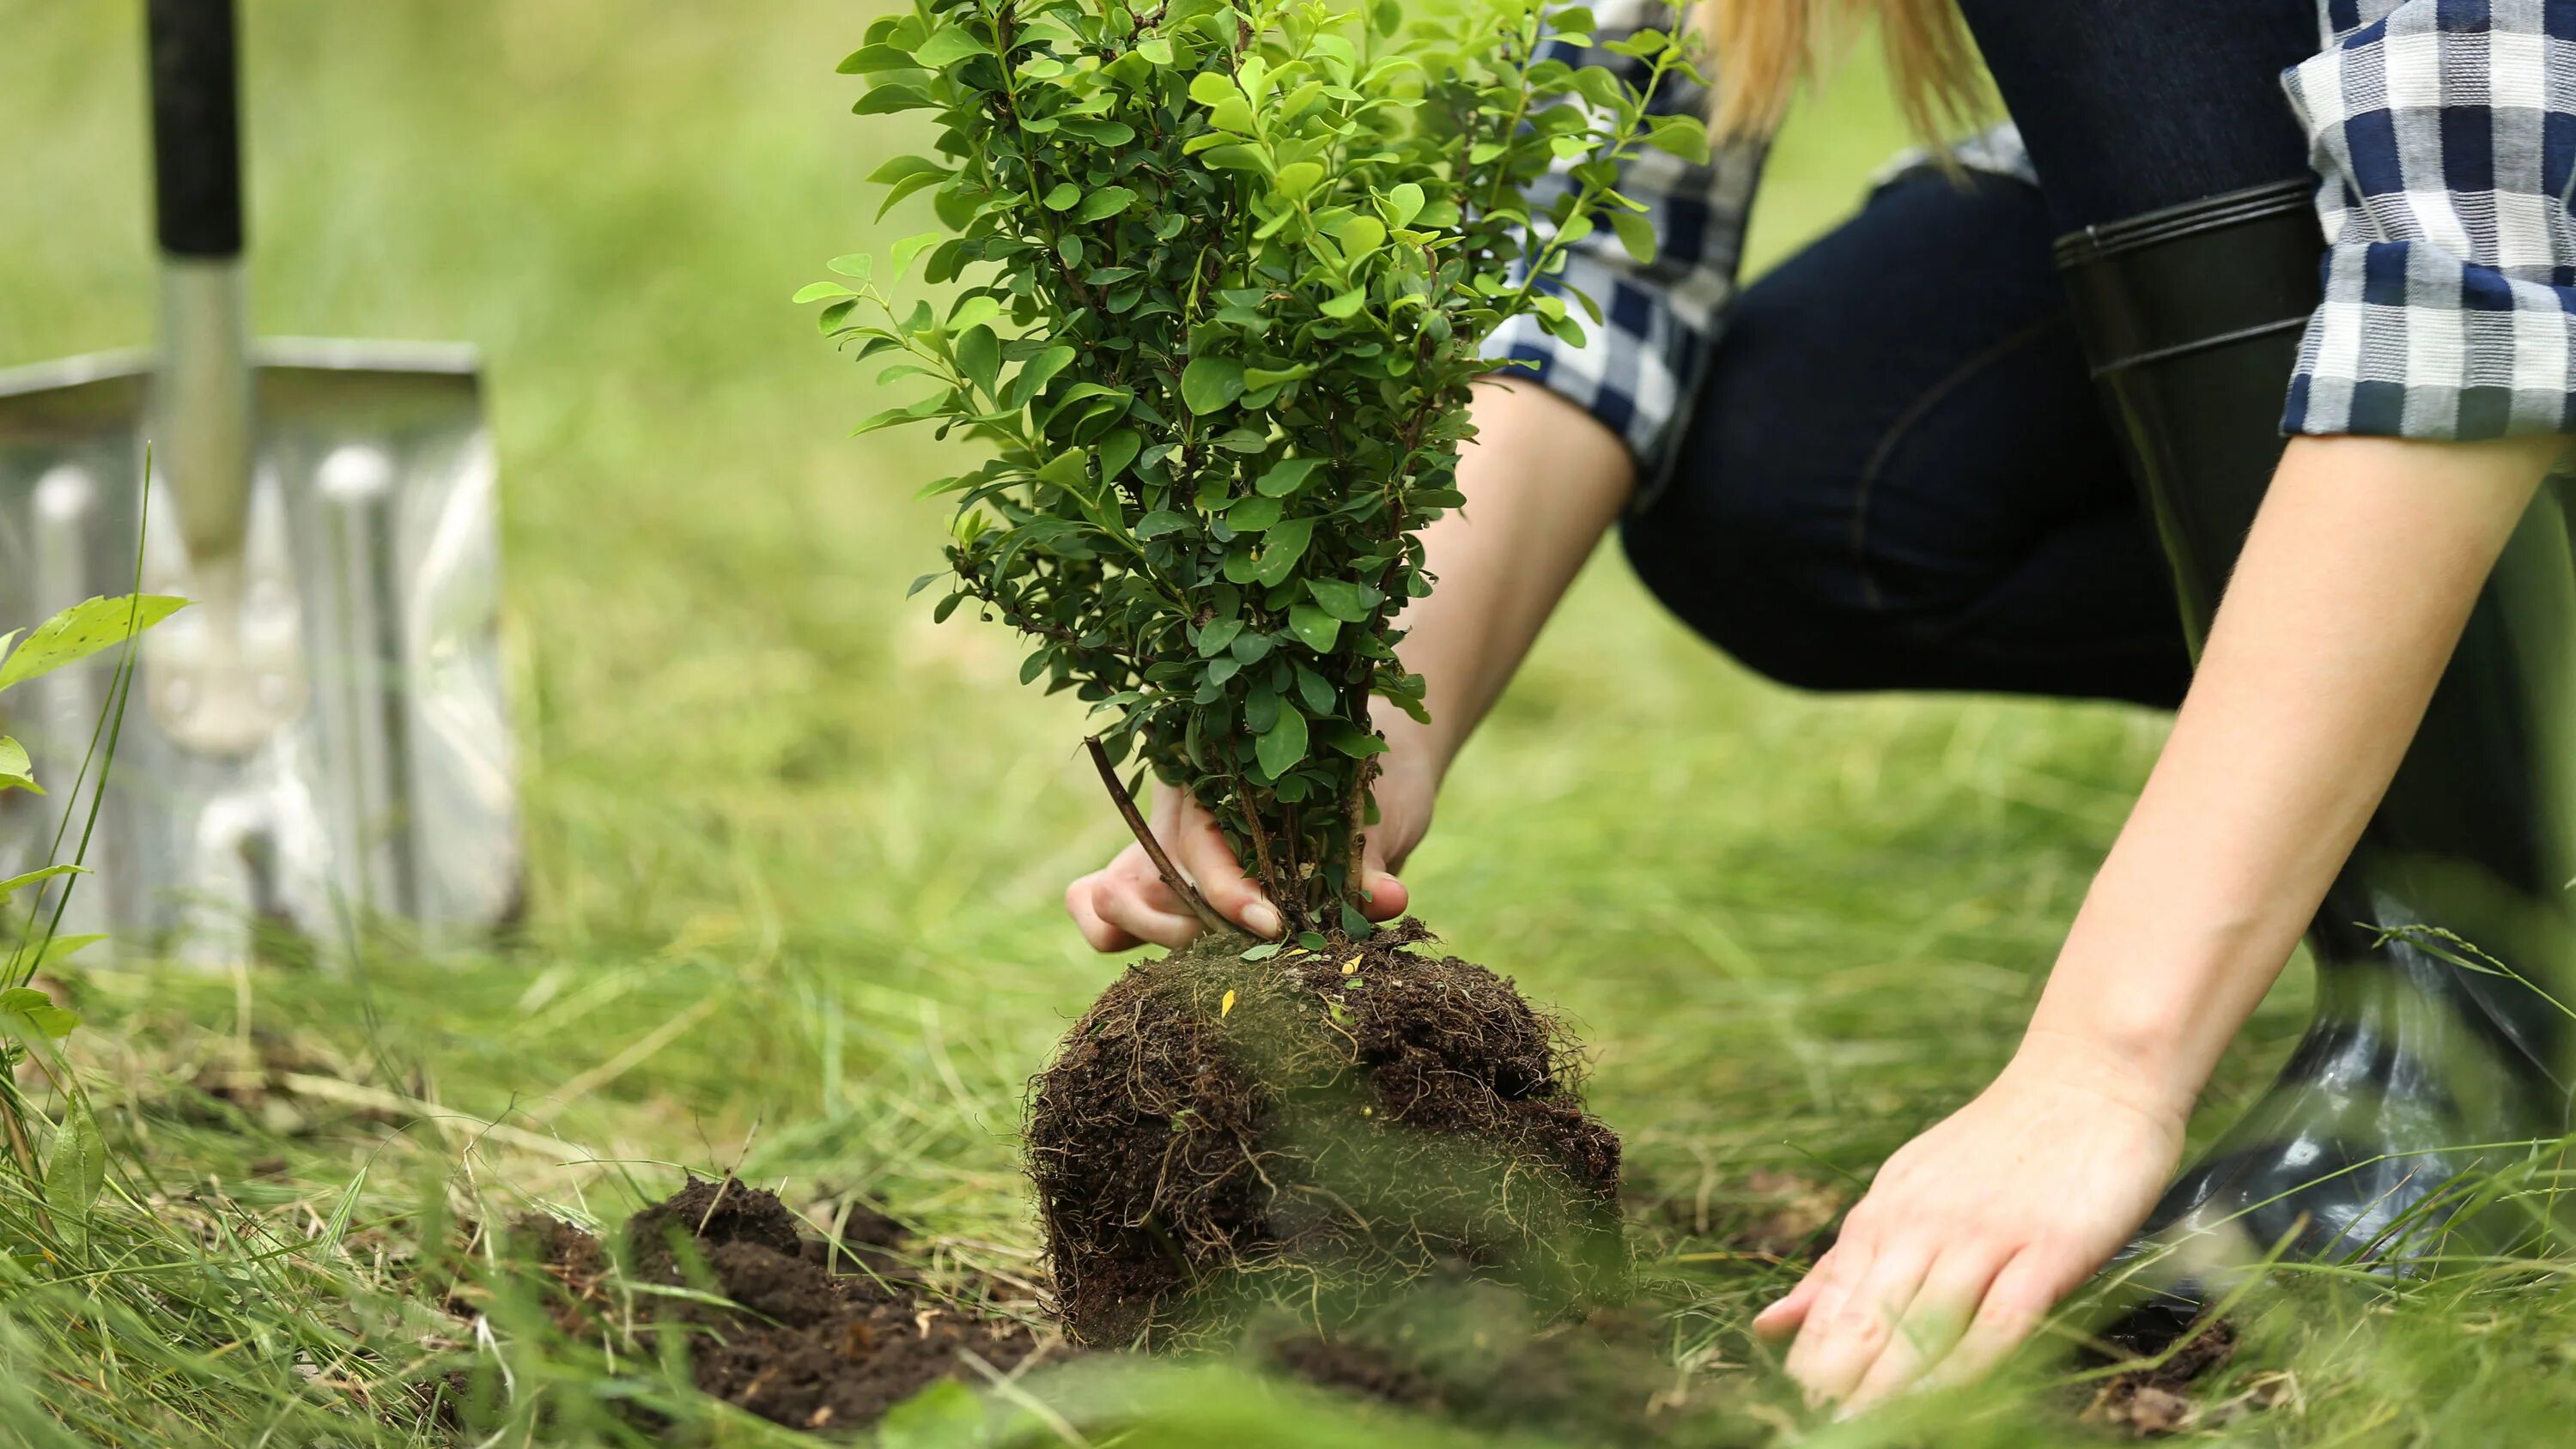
(1543, 481)
(2346, 602)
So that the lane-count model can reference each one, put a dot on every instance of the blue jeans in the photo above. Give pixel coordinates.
(1896, 474)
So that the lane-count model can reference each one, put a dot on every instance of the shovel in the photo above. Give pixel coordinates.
(321, 740)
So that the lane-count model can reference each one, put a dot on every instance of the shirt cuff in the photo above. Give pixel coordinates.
(2413, 342)
(2439, 132)
(1631, 380)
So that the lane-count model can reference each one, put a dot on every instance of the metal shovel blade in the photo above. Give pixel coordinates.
(381, 784)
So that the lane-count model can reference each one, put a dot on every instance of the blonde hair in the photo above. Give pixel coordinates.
(1765, 47)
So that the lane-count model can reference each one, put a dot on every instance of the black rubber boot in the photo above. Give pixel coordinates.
(2439, 1054)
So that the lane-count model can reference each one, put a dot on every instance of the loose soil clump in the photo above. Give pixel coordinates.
(813, 1337)
(1318, 1128)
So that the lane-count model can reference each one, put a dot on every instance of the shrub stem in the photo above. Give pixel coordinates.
(1144, 834)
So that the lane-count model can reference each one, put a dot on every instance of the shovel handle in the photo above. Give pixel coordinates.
(196, 128)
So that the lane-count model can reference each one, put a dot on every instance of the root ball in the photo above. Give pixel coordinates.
(1315, 1129)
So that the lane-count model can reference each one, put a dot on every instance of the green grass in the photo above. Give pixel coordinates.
(796, 853)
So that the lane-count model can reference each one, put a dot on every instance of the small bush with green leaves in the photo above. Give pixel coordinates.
(1224, 272)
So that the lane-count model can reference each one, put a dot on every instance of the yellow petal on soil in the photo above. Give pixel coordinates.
(1351, 965)
(1225, 1008)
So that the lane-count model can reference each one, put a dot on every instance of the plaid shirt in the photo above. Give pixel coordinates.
(2444, 132)
(2444, 137)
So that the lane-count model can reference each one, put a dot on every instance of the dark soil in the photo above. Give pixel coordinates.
(2153, 1398)
(1318, 1128)
(824, 1337)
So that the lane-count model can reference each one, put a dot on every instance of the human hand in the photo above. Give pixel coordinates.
(1976, 1228)
(1125, 903)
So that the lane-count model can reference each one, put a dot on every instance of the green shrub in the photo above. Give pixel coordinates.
(1226, 270)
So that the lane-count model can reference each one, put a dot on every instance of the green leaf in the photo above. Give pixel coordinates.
(817, 291)
(902, 168)
(75, 1171)
(1283, 744)
(1252, 515)
(894, 417)
(871, 59)
(1159, 522)
(979, 356)
(1068, 470)
(1209, 383)
(1299, 177)
(1210, 88)
(17, 772)
(82, 630)
(1683, 136)
(887, 98)
(35, 1013)
(1264, 951)
(1261, 377)
(1216, 635)
(1405, 201)
(1280, 551)
(1344, 306)
(1064, 194)
(902, 252)
(1155, 50)
(17, 883)
(1107, 201)
(1316, 691)
(1349, 603)
(1286, 477)
(946, 46)
(1238, 158)
(852, 264)
(1040, 370)
(1117, 451)
(60, 948)
(1316, 628)
(906, 187)
(1360, 236)
(1636, 234)
(1346, 739)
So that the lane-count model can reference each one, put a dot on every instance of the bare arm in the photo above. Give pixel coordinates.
(2345, 606)
(2354, 586)
(1543, 480)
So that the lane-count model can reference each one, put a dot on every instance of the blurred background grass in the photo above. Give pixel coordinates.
(797, 853)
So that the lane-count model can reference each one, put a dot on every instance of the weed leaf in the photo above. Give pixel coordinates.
(82, 630)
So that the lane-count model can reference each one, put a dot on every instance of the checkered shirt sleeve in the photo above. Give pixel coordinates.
(1640, 361)
(2444, 136)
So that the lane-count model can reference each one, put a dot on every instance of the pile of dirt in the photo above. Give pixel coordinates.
(1316, 1127)
(816, 1335)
